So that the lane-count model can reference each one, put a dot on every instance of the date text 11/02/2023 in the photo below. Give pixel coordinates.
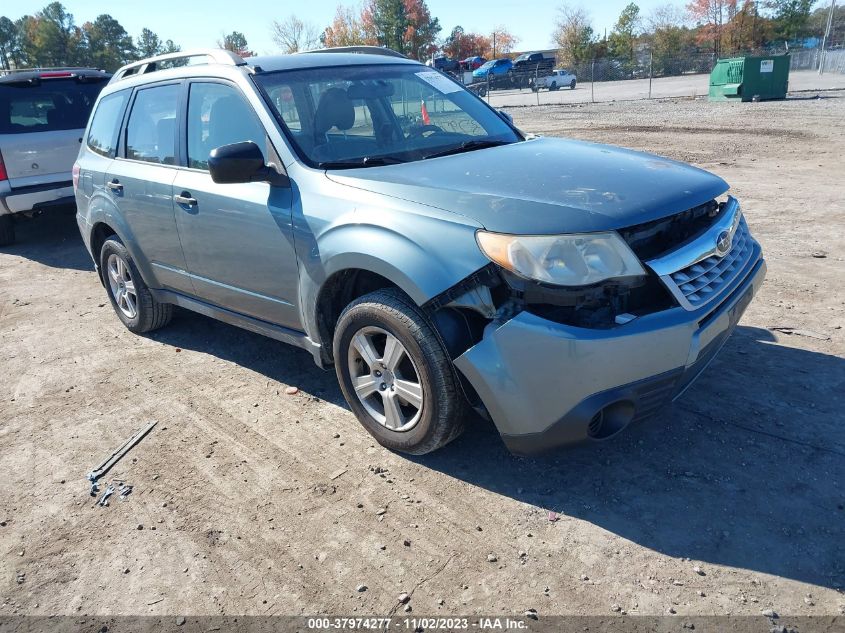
(417, 623)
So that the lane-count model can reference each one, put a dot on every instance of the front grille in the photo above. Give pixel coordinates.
(652, 239)
(702, 281)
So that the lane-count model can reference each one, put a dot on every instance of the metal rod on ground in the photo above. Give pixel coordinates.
(826, 35)
(111, 460)
(593, 81)
(650, 71)
(488, 85)
(537, 83)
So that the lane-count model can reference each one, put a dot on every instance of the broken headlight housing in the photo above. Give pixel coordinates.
(579, 259)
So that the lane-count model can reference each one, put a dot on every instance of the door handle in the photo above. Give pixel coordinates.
(114, 185)
(185, 198)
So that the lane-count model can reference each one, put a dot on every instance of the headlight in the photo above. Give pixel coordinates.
(562, 260)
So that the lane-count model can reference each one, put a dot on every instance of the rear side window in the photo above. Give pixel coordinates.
(151, 130)
(47, 106)
(102, 137)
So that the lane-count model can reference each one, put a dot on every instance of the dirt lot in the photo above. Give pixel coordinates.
(251, 501)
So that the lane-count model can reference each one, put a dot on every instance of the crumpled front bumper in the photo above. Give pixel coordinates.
(543, 383)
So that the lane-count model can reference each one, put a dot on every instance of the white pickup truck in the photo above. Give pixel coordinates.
(558, 79)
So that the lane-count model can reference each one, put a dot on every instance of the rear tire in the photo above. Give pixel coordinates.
(7, 230)
(572, 85)
(396, 375)
(129, 295)
(553, 86)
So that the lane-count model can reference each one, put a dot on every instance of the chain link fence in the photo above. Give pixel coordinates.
(648, 75)
(830, 61)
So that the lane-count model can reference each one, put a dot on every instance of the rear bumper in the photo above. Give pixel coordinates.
(546, 384)
(36, 197)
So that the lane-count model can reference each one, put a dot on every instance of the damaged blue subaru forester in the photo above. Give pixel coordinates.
(374, 212)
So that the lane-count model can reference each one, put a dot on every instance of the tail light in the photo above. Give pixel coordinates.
(3, 174)
(75, 173)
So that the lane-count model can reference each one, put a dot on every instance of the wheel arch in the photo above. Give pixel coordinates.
(100, 232)
(338, 291)
(104, 226)
(349, 260)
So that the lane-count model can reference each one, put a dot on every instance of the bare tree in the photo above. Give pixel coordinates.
(293, 35)
(573, 33)
(666, 16)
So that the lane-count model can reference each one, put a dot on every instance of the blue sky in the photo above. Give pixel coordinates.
(195, 24)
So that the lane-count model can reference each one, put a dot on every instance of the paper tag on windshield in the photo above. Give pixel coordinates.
(439, 82)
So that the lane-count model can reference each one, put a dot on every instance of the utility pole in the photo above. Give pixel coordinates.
(650, 70)
(494, 44)
(826, 35)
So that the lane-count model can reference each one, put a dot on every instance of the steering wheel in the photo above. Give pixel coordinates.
(419, 130)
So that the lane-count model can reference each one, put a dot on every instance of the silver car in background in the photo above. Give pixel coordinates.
(372, 211)
(43, 113)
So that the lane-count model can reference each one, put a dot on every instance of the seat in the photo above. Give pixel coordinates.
(56, 118)
(229, 121)
(334, 110)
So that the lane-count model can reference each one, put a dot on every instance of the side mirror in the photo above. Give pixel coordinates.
(242, 162)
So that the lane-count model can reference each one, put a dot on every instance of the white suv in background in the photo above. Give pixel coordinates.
(43, 114)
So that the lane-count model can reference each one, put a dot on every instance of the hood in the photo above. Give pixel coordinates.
(545, 186)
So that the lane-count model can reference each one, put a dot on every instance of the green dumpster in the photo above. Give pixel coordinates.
(750, 78)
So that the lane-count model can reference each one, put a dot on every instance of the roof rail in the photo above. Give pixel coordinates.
(365, 50)
(151, 64)
(41, 69)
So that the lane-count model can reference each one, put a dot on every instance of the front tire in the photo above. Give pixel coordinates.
(572, 85)
(396, 375)
(129, 295)
(553, 86)
(7, 230)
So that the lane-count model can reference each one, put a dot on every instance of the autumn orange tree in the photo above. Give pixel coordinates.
(747, 30)
(712, 17)
(347, 29)
(502, 42)
(460, 44)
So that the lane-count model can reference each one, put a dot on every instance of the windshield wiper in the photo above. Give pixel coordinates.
(367, 161)
(468, 146)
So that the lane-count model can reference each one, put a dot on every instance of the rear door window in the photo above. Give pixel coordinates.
(151, 130)
(47, 105)
(102, 137)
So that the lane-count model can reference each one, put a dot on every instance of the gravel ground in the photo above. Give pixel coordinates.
(248, 500)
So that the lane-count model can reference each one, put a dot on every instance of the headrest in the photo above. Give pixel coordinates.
(334, 110)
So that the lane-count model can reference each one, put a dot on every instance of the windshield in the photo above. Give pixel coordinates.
(353, 116)
(488, 64)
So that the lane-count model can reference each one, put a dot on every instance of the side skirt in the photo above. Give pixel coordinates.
(270, 330)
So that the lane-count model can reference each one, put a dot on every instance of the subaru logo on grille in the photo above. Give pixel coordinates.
(723, 243)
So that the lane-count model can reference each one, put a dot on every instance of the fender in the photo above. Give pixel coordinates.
(101, 209)
(423, 256)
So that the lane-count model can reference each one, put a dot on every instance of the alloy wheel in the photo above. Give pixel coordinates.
(122, 286)
(385, 378)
